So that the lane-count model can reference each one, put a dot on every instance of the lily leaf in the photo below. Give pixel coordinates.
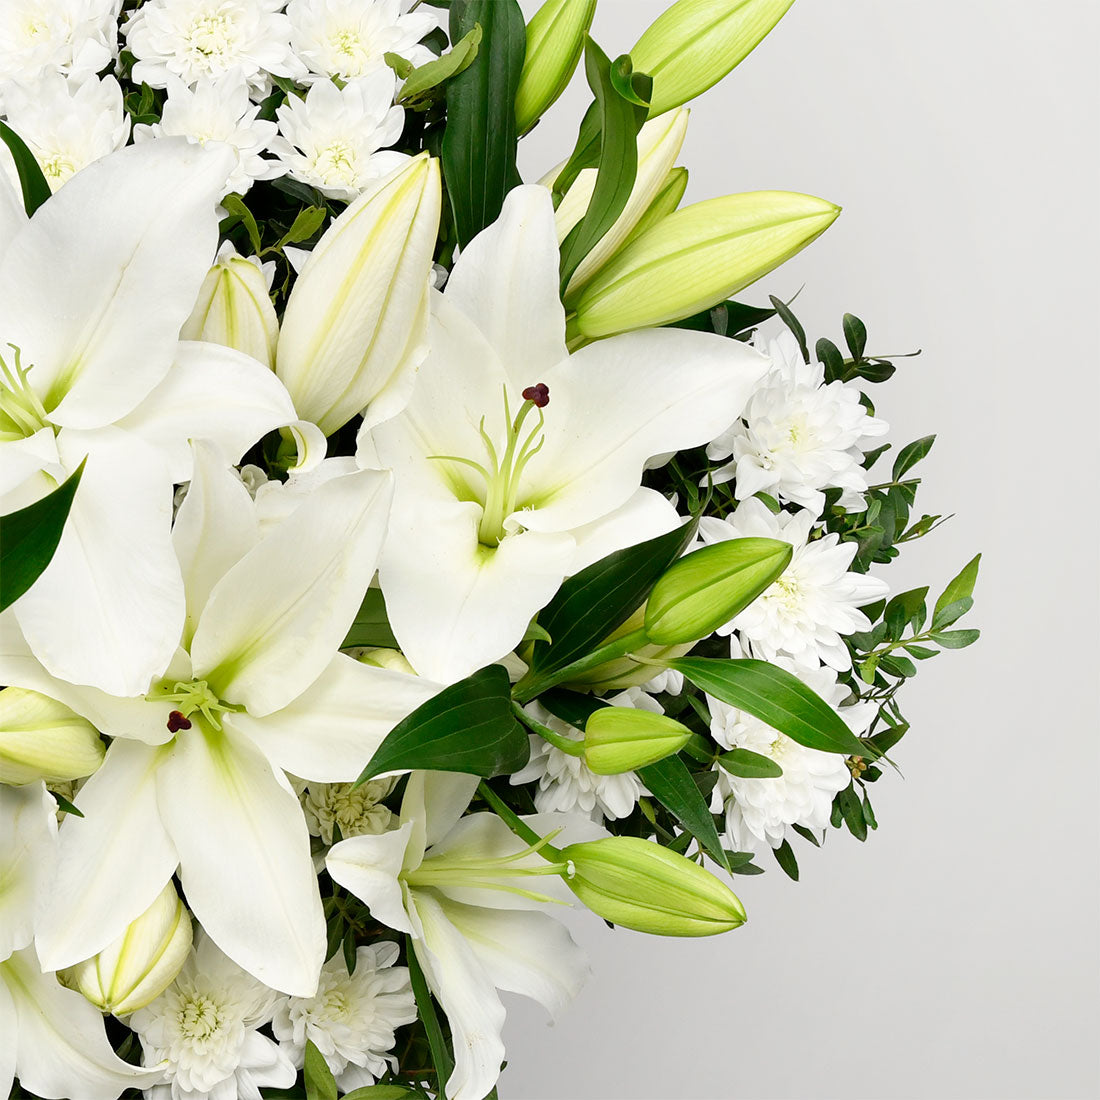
(372, 624)
(670, 782)
(31, 180)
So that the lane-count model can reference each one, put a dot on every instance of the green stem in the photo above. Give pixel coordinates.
(533, 685)
(565, 744)
(512, 820)
(441, 1055)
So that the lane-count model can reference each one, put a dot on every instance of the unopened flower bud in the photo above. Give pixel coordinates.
(697, 257)
(666, 200)
(355, 327)
(42, 739)
(639, 884)
(708, 587)
(621, 739)
(626, 672)
(555, 40)
(393, 659)
(234, 308)
(695, 43)
(141, 964)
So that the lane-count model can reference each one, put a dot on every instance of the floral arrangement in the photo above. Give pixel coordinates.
(394, 551)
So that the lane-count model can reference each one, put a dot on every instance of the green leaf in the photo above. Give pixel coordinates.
(468, 727)
(535, 633)
(480, 142)
(911, 454)
(586, 152)
(885, 740)
(31, 180)
(320, 1084)
(372, 624)
(378, 1092)
(956, 639)
(855, 335)
(896, 665)
(806, 834)
(305, 225)
(400, 65)
(64, 806)
(622, 114)
(774, 696)
(960, 588)
(951, 612)
(851, 810)
(747, 764)
(433, 73)
(784, 856)
(726, 319)
(671, 783)
(573, 707)
(792, 322)
(904, 608)
(425, 1009)
(235, 207)
(829, 354)
(29, 537)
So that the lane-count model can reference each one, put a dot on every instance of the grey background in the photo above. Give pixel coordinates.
(955, 953)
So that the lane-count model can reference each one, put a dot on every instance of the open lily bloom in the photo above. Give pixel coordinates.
(93, 291)
(51, 1037)
(517, 463)
(468, 893)
(195, 776)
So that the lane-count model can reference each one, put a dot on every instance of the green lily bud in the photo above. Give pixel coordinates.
(355, 327)
(697, 257)
(42, 739)
(624, 672)
(708, 587)
(141, 964)
(641, 885)
(667, 200)
(393, 659)
(696, 43)
(555, 41)
(620, 739)
(234, 308)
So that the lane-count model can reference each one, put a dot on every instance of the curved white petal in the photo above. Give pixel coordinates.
(95, 288)
(109, 607)
(61, 1048)
(8, 1025)
(212, 393)
(275, 620)
(644, 516)
(20, 458)
(506, 281)
(438, 800)
(28, 824)
(330, 732)
(13, 216)
(369, 866)
(617, 403)
(112, 862)
(244, 857)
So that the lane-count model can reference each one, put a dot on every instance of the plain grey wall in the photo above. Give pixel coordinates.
(955, 953)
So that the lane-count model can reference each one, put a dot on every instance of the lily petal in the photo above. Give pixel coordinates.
(20, 458)
(369, 866)
(439, 799)
(13, 216)
(28, 824)
(645, 515)
(8, 1024)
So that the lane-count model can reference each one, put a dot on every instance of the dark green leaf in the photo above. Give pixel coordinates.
(747, 869)
(886, 739)
(877, 370)
(749, 765)
(31, 180)
(425, 1009)
(468, 727)
(911, 454)
(235, 207)
(349, 948)
(372, 624)
(903, 608)
(868, 812)
(896, 665)
(851, 810)
(784, 856)
(586, 152)
(775, 697)
(378, 1092)
(807, 834)
(671, 783)
(320, 1084)
(829, 354)
(738, 859)
(727, 319)
(961, 587)
(792, 322)
(480, 142)
(64, 805)
(433, 73)
(947, 614)
(920, 652)
(956, 639)
(29, 537)
(855, 335)
(571, 706)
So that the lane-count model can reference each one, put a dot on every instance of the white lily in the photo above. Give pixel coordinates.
(195, 778)
(51, 1038)
(498, 498)
(93, 291)
(461, 887)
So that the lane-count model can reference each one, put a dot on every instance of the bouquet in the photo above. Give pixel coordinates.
(394, 551)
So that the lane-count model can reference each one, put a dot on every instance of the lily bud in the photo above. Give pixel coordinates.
(667, 200)
(620, 739)
(555, 41)
(694, 44)
(625, 672)
(659, 144)
(392, 659)
(708, 587)
(43, 739)
(355, 327)
(141, 964)
(698, 257)
(638, 884)
(234, 308)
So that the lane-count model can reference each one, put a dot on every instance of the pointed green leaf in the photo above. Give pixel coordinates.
(320, 1084)
(855, 335)
(372, 624)
(749, 765)
(960, 588)
(671, 783)
(31, 180)
(784, 856)
(956, 639)
(911, 454)
(793, 323)
(433, 73)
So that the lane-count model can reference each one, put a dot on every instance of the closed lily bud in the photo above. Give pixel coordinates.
(620, 739)
(625, 672)
(667, 200)
(708, 587)
(43, 739)
(697, 257)
(659, 144)
(555, 41)
(355, 327)
(141, 964)
(234, 308)
(696, 43)
(639, 884)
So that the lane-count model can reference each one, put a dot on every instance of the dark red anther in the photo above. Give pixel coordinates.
(177, 722)
(538, 395)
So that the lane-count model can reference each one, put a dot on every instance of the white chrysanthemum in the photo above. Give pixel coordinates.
(219, 110)
(67, 124)
(197, 40)
(806, 613)
(565, 783)
(760, 812)
(203, 1031)
(331, 139)
(78, 38)
(348, 38)
(798, 436)
(358, 811)
(352, 1019)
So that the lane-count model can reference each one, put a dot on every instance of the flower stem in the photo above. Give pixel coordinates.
(513, 821)
(565, 744)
